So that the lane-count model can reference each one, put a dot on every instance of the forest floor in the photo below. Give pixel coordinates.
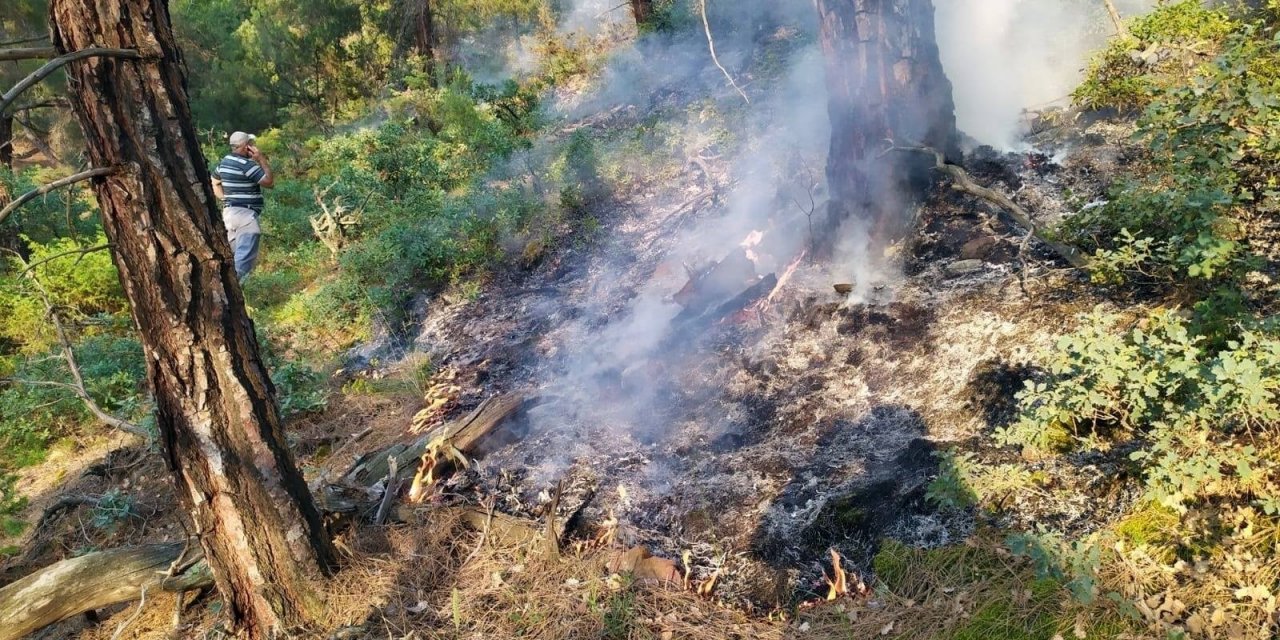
(757, 441)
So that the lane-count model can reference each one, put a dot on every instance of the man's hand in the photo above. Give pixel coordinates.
(256, 154)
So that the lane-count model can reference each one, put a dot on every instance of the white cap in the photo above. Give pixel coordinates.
(238, 138)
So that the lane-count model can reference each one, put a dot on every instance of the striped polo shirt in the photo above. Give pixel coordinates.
(240, 177)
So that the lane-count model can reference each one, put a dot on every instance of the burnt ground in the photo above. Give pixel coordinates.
(762, 439)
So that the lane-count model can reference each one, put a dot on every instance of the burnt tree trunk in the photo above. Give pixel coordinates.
(642, 10)
(6, 140)
(219, 426)
(885, 82)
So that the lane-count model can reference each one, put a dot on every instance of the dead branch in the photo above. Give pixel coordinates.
(81, 252)
(57, 63)
(27, 40)
(142, 603)
(1121, 29)
(64, 503)
(27, 53)
(43, 189)
(962, 181)
(69, 355)
(711, 45)
(388, 492)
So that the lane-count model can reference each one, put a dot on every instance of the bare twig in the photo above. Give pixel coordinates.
(962, 181)
(27, 53)
(142, 603)
(81, 252)
(26, 40)
(43, 189)
(69, 355)
(57, 63)
(388, 493)
(711, 45)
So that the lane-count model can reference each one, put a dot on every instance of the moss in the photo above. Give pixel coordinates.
(1149, 526)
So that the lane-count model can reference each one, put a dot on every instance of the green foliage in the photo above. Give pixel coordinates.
(299, 389)
(1214, 138)
(113, 508)
(11, 504)
(963, 482)
(1130, 70)
(1187, 402)
(79, 285)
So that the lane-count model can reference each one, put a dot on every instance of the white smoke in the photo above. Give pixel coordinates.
(1006, 56)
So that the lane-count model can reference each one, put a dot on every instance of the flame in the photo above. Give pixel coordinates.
(609, 535)
(706, 586)
(840, 583)
(424, 478)
(688, 570)
(786, 276)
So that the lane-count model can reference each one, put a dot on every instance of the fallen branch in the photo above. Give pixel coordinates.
(711, 45)
(27, 53)
(43, 189)
(388, 492)
(962, 181)
(88, 583)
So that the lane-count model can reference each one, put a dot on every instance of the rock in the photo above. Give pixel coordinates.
(962, 267)
(977, 248)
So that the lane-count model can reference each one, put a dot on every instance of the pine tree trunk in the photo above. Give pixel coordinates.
(885, 83)
(642, 10)
(221, 431)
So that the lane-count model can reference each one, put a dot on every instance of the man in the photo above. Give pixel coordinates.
(238, 181)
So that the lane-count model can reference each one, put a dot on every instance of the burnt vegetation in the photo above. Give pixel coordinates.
(653, 319)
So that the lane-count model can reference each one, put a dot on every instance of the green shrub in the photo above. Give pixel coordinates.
(1171, 38)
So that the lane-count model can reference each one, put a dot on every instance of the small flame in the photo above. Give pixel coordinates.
(609, 535)
(840, 582)
(786, 276)
(752, 240)
(424, 478)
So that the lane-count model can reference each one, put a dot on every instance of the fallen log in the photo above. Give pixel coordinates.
(91, 582)
(106, 578)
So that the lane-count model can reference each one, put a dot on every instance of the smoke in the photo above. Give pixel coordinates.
(1006, 56)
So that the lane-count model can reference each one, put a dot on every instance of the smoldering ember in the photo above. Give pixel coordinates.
(654, 319)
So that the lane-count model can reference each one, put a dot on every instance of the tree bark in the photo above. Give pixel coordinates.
(219, 425)
(6, 143)
(642, 10)
(885, 82)
(90, 582)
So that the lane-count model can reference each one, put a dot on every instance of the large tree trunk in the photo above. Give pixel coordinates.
(642, 10)
(221, 432)
(424, 37)
(885, 82)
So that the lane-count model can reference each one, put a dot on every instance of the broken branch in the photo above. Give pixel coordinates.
(962, 181)
(27, 53)
(43, 189)
(57, 63)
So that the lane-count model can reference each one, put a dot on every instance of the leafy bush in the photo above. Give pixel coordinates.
(299, 389)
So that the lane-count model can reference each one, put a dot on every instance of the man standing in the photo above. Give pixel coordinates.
(238, 180)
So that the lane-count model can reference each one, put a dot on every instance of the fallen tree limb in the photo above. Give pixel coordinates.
(91, 582)
(962, 181)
